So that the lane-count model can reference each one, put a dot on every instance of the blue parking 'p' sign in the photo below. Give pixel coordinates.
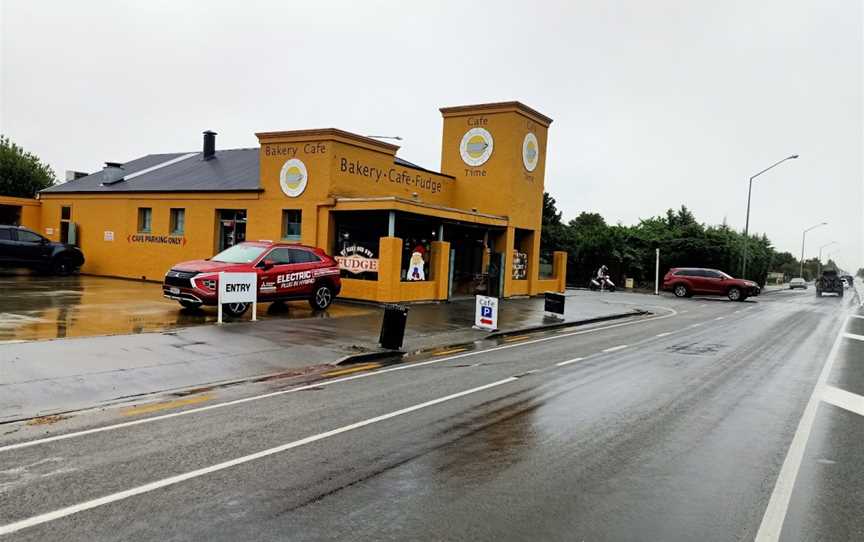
(486, 313)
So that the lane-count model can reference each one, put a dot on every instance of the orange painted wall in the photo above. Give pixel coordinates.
(338, 165)
(31, 211)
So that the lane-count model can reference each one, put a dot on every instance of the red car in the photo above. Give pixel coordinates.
(686, 281)
(285, 272)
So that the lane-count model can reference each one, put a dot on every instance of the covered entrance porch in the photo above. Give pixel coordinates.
(392, 249)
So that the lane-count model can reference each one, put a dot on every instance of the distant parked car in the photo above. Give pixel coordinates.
(20, 247)
(687, 281)
(849, 279)
(797, 283)
(285, 272)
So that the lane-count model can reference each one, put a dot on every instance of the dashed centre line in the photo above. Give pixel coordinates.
(664, 334)
(614, 348)
(568, 362)
(854, 336)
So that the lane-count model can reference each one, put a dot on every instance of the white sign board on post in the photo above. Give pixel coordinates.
(486, 313)
(238, 288)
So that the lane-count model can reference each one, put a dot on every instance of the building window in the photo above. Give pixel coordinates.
(291, 221)
(145, 219)
(65, 220)
(178, 221)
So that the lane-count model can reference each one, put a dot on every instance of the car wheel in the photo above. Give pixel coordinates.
(681, 291)
(61, 267)
(235, 309)
(322, 297)
(735, 294)
(190, 305)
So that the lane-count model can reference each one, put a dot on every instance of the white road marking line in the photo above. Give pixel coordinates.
(568, 362)
(843, 399)
(683, 312)
(854, 336)
(775, 512)
(720, 318)
(696, 324)
(165, 482)
(736, 312)
(614, 348)
(664, 334)
(316, 385)
(857, 316)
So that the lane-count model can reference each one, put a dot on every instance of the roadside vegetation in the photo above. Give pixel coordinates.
(629, 251)
(22, 174)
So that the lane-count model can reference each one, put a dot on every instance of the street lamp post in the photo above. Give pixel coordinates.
(804, 236)
(819, 271)
(747, 221)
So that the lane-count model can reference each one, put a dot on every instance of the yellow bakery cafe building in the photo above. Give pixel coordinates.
(401, 232)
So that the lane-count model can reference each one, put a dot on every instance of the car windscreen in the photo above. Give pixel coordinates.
(239, 254)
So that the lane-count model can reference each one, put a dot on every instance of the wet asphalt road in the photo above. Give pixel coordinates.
(673, 427)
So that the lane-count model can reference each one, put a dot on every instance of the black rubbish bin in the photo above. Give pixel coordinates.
(393, 326)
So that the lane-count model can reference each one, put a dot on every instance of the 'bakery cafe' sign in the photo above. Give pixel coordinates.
(357, 259)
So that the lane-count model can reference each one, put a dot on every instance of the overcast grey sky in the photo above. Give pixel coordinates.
(656, 104)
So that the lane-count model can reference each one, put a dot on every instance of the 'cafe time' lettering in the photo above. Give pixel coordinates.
(394, 175)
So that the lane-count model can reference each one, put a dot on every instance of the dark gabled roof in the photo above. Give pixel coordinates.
(229, 170)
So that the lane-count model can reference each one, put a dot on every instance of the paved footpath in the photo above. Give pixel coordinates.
(48, 377)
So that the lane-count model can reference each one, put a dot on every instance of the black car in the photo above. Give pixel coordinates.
(20, 247)
(829, 283)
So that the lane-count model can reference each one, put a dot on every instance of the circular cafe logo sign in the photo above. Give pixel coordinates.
(293, 178)
(476, 146)
(530, 151)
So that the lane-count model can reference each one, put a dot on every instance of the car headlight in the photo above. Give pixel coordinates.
(205, 283)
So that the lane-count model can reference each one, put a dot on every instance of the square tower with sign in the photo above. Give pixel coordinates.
(497, 154)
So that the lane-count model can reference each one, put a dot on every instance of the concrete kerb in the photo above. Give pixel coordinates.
(385, 354)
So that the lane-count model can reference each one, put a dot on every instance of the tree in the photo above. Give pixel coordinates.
(861, 273)
(629, 251)
(552, 237)
(22, 174)
(588, 220)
